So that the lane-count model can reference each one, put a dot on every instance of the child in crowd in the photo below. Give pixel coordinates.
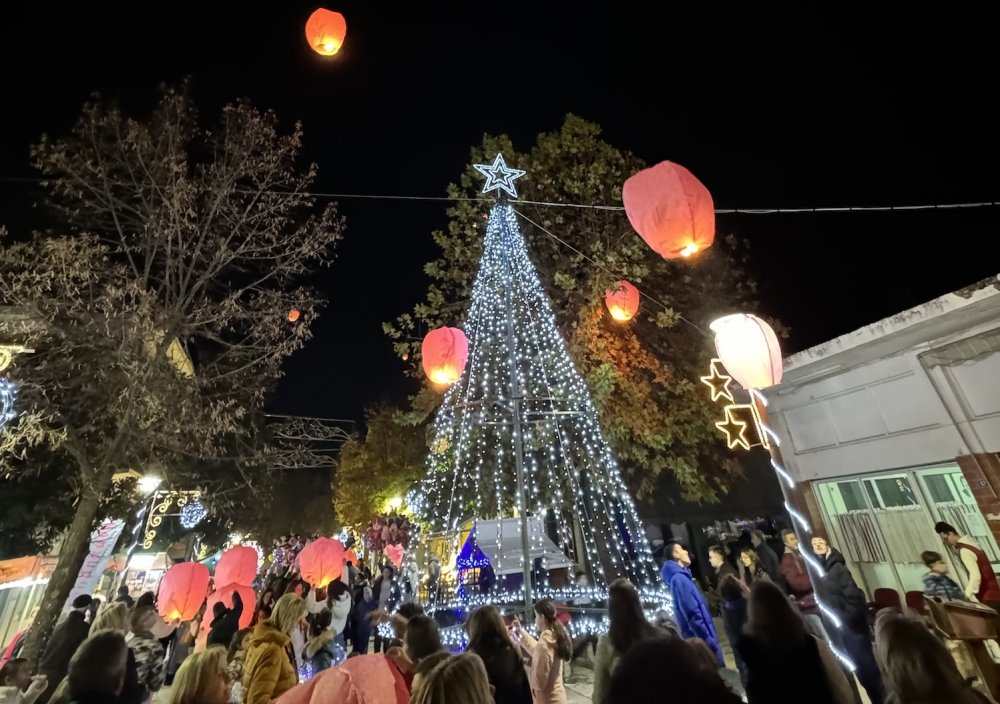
(937, 582)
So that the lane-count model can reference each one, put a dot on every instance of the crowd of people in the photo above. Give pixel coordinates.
(295, 652)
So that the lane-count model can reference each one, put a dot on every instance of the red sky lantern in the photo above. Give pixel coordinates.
(182, 591)
(238, 565)
(749, 350)
(351, 556)
(293, 315)
(622, 301)
(225, 595)
(325, 31)
(322, 561)
(444, 353)
(670, 209)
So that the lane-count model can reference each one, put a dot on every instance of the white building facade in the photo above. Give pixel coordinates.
(896, 426)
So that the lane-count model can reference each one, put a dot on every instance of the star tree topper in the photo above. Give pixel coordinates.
(499, 176)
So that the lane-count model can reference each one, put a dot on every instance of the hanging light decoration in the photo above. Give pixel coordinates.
(670, 209)
(192, 513)
(325, 31)
(182, 591)
(749, 350)
(444, 353)
(622, 301)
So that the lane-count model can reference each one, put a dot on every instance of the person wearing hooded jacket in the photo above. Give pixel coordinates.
(225, 622)
(690, 608)
(840, 593)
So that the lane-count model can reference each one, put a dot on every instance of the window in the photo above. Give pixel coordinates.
(891, 492)
(851, 495)
(939, 488)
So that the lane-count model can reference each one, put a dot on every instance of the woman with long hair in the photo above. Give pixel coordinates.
(422, 646)
(489, 639)
(916, 665)
(454, 680)
(785, 664)
(547, 652)
(203, 678)
(270, 668)
(751, 568)
(628, 627)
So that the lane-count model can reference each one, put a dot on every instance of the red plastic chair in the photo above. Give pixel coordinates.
(915, 601)
(887, 599)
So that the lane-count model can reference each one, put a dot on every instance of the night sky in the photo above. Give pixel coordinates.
(793, 106)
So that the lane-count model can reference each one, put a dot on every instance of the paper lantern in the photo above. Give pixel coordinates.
(749, 350)
(225, 595)
(444, 352)
(622, 301)
(238, 565)
(395, 554)
(182, 591)
(325, 31)
(670, 209)
(351, 556)
(293, 315)
(322, 561)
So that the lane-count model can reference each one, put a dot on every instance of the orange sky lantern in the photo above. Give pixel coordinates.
(225, 595)
(622, 301)
(670, 209)
(238, 565)
(749, 350)
(182, 591)
(325, 31)
(322, 561)
(444, 352)
(293, 315)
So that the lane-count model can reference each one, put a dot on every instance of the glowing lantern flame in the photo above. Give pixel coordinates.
(325, 31)
(444, 352)
(293, 315)
(622, 301)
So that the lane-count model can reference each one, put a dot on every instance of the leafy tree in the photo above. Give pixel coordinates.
(643, 375)
(158, 315)
(381, 465)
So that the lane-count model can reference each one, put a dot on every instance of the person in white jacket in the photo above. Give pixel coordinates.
(338, 600)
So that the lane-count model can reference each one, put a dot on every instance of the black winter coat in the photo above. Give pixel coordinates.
(770, 562)
(225, 626)
(840, 592)
(506, 673)
(65, 639)
(793, 676)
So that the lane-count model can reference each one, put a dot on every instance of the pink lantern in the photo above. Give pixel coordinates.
(749, 350)
(395, 554)
(225, 595)
(670, 209)
(238, 565)
(444, 353)
(322, 561)
(622, 301)
(351, 556)
(182, 591)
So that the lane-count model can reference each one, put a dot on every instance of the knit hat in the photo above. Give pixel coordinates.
(83, 601)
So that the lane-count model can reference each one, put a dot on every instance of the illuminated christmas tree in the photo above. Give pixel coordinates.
(520, 481)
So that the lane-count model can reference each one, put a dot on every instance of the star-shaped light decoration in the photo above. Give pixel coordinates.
(499, 176)
(718, 381)
(735, 430)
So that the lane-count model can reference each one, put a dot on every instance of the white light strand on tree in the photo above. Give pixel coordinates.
(569, 470)
(8, 397)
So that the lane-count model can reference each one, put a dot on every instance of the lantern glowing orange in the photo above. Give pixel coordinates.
(622, 301)
(749, 350)
(238, 565)
(322, 561)
(351, 556)
(293, 315)
(325, 31)
(670, 209)
(445, 352)
(225, 595)
(182, 591)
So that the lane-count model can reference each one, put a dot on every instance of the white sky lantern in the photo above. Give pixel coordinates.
(748, 349)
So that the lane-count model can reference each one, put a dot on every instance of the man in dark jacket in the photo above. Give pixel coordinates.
(840, 593)
(768, 558)
(125, 597)
(723, 568)
(65, 639)
(225, 622)
(690, 609)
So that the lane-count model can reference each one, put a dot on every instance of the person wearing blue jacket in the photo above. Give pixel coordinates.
(690, 610)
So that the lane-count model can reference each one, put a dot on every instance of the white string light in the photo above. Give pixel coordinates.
(568, 467)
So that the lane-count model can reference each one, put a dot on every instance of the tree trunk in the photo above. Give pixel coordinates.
(72, 553)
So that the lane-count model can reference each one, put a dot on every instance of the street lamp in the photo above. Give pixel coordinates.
(149, 483)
